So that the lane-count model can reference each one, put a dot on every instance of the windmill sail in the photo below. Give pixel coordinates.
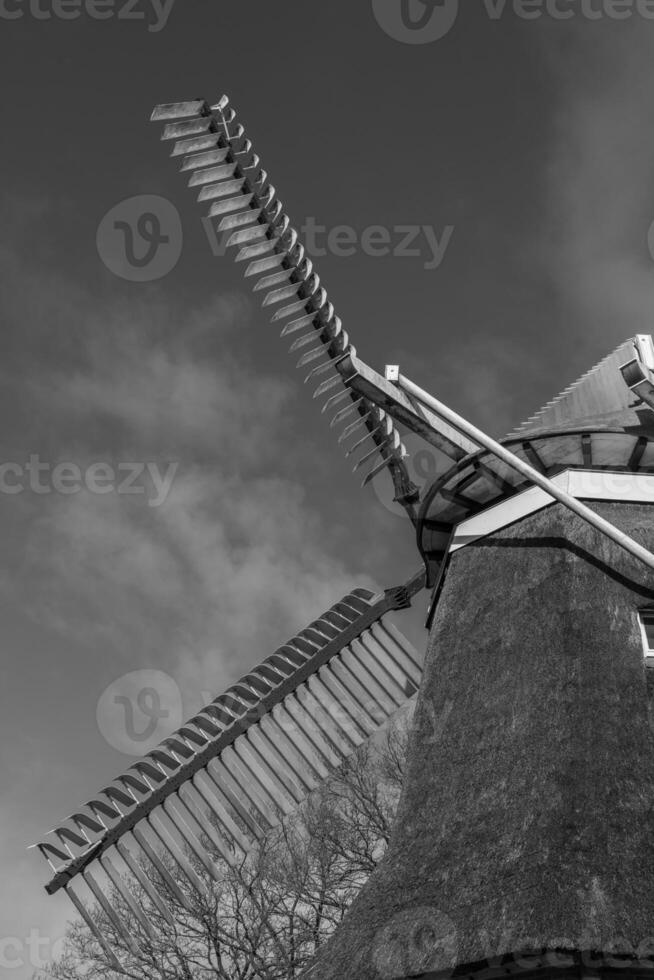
(238, 767)
(224, 170)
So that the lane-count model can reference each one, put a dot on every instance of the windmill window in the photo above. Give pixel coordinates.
(646, 619)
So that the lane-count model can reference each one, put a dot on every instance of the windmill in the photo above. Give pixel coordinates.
(259, 749)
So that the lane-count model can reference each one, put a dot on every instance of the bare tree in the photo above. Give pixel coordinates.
(267, 913)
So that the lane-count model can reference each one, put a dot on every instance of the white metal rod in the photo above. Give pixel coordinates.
(525, 469)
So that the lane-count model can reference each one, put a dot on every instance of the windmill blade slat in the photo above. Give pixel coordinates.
(343, 699)
(272, 280)
(247, 798)
(252, 793)
(95, 931)
(327, 366)
(226, 207)
(84, 820)
(195, 144)
(299, 324)
(103, 811)
(372, 473)
(105, 905)
(150, 852)
(180, 110)
(351, 677)
(370, 709)
(265, 775)
(353, 426)
(326, 386)
(281, 294)
(278, 747)
(121, 886)
(238, 220)
(50, 851)
(120, 798)
(298, 759)
(223, 189)
(377, 650)
(391, 640)
(144, 882)
(351, 733)
(297, 735)
(387, 698)
(210, 174)
(255, 251)
(314, 355)
(202, 818)
(325, 725)
(277, 768)
(365, 458)
(222, 795)
(170, 829)
(315, 735)
(245, 236)
(229, 806)
(258, 266)
(187, 127)
(182, 819)
(206, 158)
(67, 837)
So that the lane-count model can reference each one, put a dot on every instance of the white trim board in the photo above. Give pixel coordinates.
(584, 484)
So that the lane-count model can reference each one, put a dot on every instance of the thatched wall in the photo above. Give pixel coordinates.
(528, 813)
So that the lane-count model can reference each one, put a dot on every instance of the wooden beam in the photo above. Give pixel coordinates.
(416, 417)
(587, 449)
(533, 457)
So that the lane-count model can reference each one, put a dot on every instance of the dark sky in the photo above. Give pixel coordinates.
(530, 138)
